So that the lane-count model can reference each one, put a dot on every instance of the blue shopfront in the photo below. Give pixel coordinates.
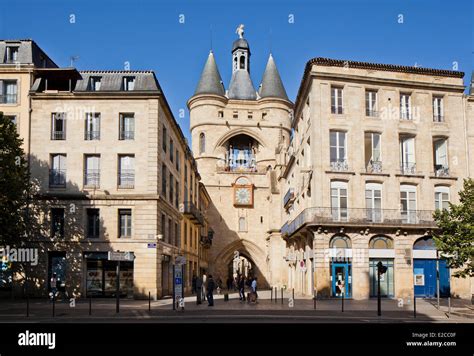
(426, 268)
(341, 266)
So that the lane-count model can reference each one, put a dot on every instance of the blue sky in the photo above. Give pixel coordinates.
(149, 35)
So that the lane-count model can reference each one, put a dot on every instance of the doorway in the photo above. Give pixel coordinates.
(341, 276)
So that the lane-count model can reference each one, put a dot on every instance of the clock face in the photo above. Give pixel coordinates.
(242, 196)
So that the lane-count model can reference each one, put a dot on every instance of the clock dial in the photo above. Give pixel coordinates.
(242, 196)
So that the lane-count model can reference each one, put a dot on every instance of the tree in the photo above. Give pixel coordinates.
(455, 238)
(14, 185)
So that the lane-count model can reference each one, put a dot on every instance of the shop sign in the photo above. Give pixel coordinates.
(121, 256)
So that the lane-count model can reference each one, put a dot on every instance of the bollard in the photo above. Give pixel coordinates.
(449, 307)
(414, 306)
(90, 305)
(54, 305)
(149, 301)
(271, 294)
(314, 302)
(282, 296)
(342, 302)
(27, 306)
(293, 294)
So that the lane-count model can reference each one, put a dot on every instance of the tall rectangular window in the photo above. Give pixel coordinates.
(177, 235)
(58, 126)
(371, 103)
(171, 191)
(8, 92)
(185, 234)
(407, 155)
(338, 152)
(176, 201)
(163, 180)
(440, 153)
(57, 222)
(128, 83)
(372, 148)
(126, 173)
(12, 54)
(165, 139)
(171, 150)
(408, 203)
(177, 160)
(339, 201)
(94, 83)
(438, 109)
(405, 107)
(336, 100)
(163, 227)
(126, 126)
(125, 223)
(93, 223)
(170, 232)
(57, 173)
(92, 126)
(92, 171)
(373, 202)
(441, 198)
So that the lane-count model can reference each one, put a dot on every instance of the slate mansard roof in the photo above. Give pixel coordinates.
(113, 80)
(28, 53)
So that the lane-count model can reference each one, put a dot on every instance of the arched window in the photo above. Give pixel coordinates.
(340, 241)
(381, 242)
(202, 142)
(242, 62)
(242, 181)
(242, 224)
(424, 243)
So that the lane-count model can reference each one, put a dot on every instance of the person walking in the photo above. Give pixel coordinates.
(210, 290)
(198, 290)
(254, 290)
(204, 286)
(241, 285)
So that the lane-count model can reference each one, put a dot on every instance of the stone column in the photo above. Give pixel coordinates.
(322, 282)
(277, 275)
(360, 266)
(403, 267)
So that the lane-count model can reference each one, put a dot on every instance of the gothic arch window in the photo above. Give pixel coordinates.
(381, 242)
(242, 224)
(340, 241)
(202, 143)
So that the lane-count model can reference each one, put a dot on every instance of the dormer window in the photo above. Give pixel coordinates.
(94, 83)
(12, 54)
(128, 83)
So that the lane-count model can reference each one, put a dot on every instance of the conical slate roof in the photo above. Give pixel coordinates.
(272, 86)
(241, 86)
(211, 81)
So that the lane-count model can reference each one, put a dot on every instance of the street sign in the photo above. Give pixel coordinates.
(180, 260)
(121, 256)
(151, 245)
(178, 292)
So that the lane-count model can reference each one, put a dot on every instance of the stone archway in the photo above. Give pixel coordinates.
(251, 252)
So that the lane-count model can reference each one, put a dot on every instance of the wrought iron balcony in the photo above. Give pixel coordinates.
(127, 135)
(289, 197)
(8, 99)
(92, 178)
(408, 168)
(192, 212)
(374, 167)
(359, 217)
(57, 178)
(405, 115)
(371, 113)
(339, 165)
(438, 118)
(441, 171)
(126, 178)
(337, 110)
(92, 135)
(58, 135)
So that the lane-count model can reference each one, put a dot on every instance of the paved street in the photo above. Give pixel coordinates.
(266, 311)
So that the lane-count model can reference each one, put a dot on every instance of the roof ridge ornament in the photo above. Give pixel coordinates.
(240, 30)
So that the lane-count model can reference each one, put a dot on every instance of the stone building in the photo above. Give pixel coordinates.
(375, 150)
(111, 165)
(235, 136)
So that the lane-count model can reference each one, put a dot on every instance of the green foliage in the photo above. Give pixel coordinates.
(455, 239)
(14, 184)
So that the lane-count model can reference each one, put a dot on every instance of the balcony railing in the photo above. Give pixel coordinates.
(58, 135)
(127, 135)
(8, 99)
(57, 177)
(92, 135)
(374, 167)
(126, 178)
(92, 178)
(371, 113)
(337, 110)
(339, 165)
(190, 210)
(289, 196)
(359, 217)
(405, 115)
(408, 168)
(441, 171)
(438, 118)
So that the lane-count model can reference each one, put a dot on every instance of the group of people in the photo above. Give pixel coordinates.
(205, 286)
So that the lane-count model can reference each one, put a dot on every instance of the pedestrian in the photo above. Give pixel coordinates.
(193, 284)
(254, 290)
(229, 284)
(241, 285)
(210, 290)
(54, 285)
(204, 286)
(198, 290)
